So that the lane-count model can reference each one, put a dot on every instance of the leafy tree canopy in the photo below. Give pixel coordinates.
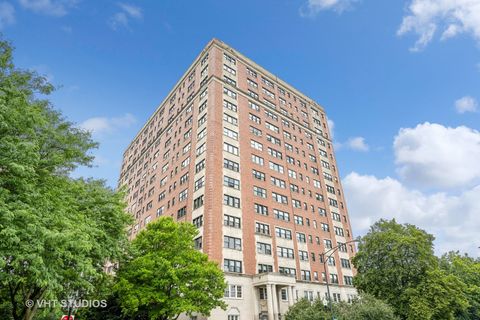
(56, 232)
(165, 276)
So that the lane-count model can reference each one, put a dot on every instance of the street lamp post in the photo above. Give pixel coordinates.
(324, 256)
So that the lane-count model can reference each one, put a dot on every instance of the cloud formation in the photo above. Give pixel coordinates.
(313, 7)
(453, 219)
(7, 14)
(448, 17)
(56, 8)
(123, 17)
(434, 156)
(466, 104)
(103, 125)
(357, 144)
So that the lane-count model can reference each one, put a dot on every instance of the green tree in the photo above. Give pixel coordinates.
(306, 310)
(467, 270)
(396, 263)
(366, 307)
(56, 232)
(165, 276)
(437, 296)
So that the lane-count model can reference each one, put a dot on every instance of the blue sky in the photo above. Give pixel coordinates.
(399, 79)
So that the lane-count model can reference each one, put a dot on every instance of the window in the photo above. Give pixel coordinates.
(251, 73)
(252, 84)
(348, 280)
(257, 160)
(328, 243)
(233, 291)
(230, 106)
(229, 70)
(253, 106)
(255, 131)
(231, 201)
(345, 263)
(256, 145)
(198, 221)
(181, 212)
(339, 231)
(200, 166)
(303, 255)
(333, 278)
(279, 198)
(199, 183)
(259, 192)
(258, 175)
(230, 81)
(202, 120)
(284, 294)
(232, 243)
(262, 228)
(197, 243)
(283, 233)
(276, 167)
(264, 248)
(287, 271)
(229, 59)
(183, 195)
(184, 178)
(232, 120)
(281, 215)
(262, 293)
(262, 268)
(198, 202)
(305, 275)
(272, 127)
(298, 220)
(273, 140)
(301, 237)
(254, 118)
(231, 221)
(230, 148)
(285, 252)
(230, 265)
(325, 227)
(202, 134)
(230, 93)
(201, 149)
(278, 182)
(230, 133)
(231, 182)
(231, 165)
(263, 210)
(275, 153)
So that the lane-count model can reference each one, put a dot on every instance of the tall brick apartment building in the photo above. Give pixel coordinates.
(248, 160)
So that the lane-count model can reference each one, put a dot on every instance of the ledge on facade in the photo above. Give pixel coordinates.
(273, 278)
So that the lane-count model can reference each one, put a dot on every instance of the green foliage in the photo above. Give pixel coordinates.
(438, 296)
(165, 276)
(305, 310)
(366, 307)
(467, 270)
(56, 232)
(396, 263)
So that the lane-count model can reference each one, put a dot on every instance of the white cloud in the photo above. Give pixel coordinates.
(103, 125)
(56, 8)
(331, 127)
(431, 155)
(313, 7)
(466, 104)
(450, 17)
(7, 14)
(122, 18)
(357, 144)
(454, 220)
